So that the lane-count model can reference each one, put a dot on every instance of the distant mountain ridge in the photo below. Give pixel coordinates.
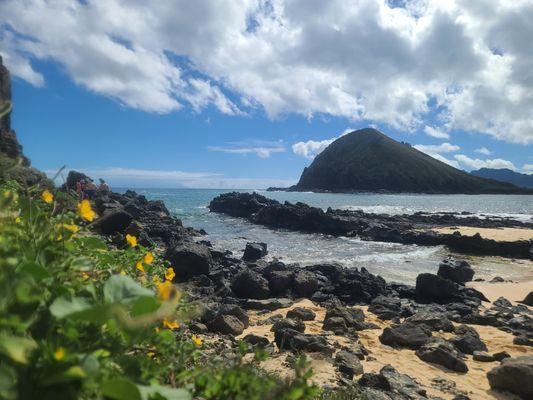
(368, 160)
(505, 175)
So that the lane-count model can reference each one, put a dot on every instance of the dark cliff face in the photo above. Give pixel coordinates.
(9, 144)
(13, 164)
(368, 160)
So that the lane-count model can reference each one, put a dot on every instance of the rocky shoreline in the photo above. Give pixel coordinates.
(405, 229)
(352, 325)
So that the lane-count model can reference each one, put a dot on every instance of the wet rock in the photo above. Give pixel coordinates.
(348, 364)
(483, 356)
(256, 340)
(250, 285)
(190, 259)
(305, 283)
(467, 340)
(385, 308)
(458, 271)
(268, 304)
(280, 281)
(389, 384)
(434, 321)
(514, 375)
(438, 351)
(254, 251)
(430, 287)
(408, 335)
(528, 300)
(304, 314)
(227, 325)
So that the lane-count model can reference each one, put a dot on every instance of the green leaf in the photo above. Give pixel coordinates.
(63, 307)
(8, 380)
(121, 389)
(93, 243)
(120, 288)
(148, 392)
(36, 271)
(145, 305)
(17, 348)
(73, 373)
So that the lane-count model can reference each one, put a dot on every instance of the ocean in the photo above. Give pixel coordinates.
(395, 262)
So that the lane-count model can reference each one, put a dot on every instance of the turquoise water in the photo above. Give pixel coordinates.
(392, 261)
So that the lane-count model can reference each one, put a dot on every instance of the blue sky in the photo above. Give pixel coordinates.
(152, 105)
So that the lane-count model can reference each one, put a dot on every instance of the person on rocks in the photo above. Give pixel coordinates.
(90, 189)
(104, 187)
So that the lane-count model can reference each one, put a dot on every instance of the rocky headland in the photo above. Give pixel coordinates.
(419, 228)
(439, 338)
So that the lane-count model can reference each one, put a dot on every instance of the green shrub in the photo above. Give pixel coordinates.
(81, 320)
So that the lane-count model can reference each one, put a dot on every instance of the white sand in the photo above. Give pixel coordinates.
(498, 234)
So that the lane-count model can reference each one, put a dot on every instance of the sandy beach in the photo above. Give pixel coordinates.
(498, 234)
(438, 381)
(513, 291)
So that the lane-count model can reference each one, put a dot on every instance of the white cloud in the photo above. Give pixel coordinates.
(263, 149)
(472, 164)
(483, 150)
(528, 168)
(311, 148)
(439, 157)
(436, 132)
(464, 63)
(440, 148)
(131, 177)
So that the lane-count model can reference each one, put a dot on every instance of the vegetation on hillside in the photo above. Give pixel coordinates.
(368, 160)
(81, 320)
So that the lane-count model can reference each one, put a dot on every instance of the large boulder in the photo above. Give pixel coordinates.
(528, 300)
(514, 375)
(254, 251)
(190, 259)
(385, 307)
(458, 271)
(250, 285)
(348, 363)
(390, 384)
(290, 339)
(438, 351)
(408, 335)
(113, 221)
(305, 314)
(353, 318)
(305, 283)
(430, 287)
(280, 281)
(434, 321)
(467, 340)
(227, 325)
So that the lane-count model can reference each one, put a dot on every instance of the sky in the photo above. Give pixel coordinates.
(245, 93)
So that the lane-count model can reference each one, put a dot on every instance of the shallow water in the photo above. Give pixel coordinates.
(392, 261)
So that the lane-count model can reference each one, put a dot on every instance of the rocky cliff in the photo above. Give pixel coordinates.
(13, 163)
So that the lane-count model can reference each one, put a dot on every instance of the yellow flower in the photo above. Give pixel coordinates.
(122, 272)
(59, 354)
(47, 197)
(71, 227)
(85, 276)
(132, 240)
(171, 324)
(196, 340)
(151, 354)
(148, 258)
(164, 290)
(140, 267)
(85, 211)
(169, 274)
(17, 220)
